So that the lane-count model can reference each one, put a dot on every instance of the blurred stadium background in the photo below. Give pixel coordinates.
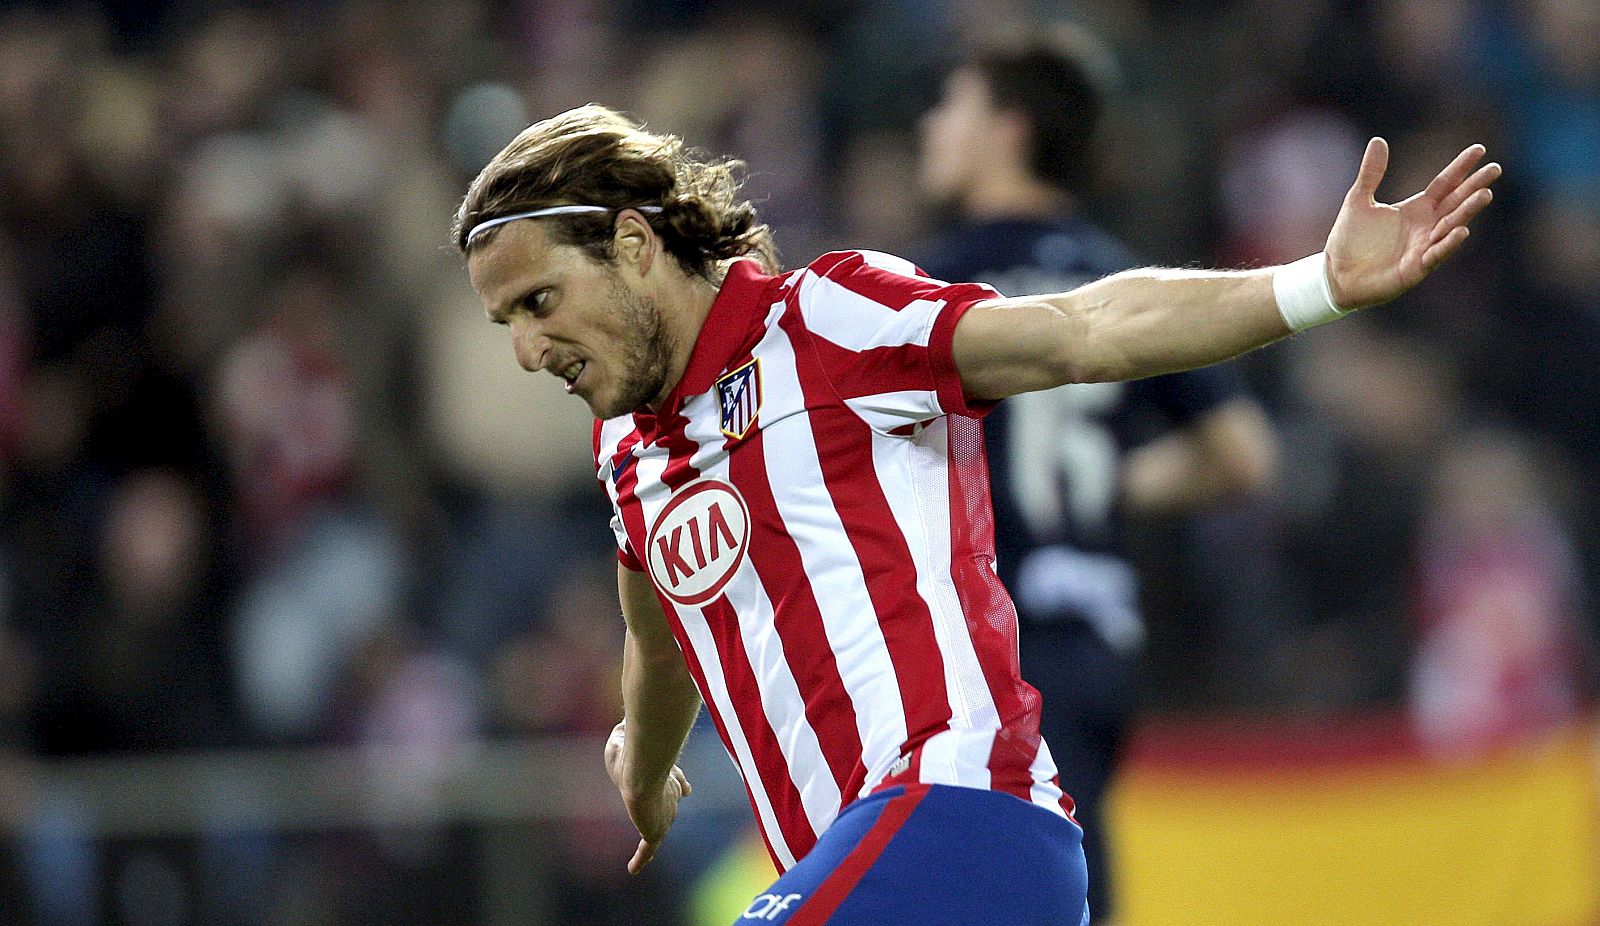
(306, 602)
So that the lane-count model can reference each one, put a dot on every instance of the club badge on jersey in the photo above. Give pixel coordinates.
(739, 393)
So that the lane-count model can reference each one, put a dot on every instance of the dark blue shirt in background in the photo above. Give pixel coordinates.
(1055, 457)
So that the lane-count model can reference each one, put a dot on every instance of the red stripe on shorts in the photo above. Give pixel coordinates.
(837, 886)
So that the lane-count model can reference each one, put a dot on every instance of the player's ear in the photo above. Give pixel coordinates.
(634, 241)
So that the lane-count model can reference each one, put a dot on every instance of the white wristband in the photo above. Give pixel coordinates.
(1304, 299)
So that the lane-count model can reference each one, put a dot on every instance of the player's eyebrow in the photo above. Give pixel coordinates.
(499, 314)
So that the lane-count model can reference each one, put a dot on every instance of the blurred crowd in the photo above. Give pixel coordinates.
(267, 477)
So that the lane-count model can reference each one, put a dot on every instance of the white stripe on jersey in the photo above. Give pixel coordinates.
(886, 411)
(893, 263)
(858, 323)
(612, 433)
(1044, 792)
(912, 473)
(928, 470)
(801, 494)
(781, 699)
(700, 638)
(652, 463)
(865, 323)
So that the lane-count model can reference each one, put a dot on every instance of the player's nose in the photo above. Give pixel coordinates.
(530, 345)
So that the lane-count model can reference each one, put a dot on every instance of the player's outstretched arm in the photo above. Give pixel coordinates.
(1143, 322)
(659, 706)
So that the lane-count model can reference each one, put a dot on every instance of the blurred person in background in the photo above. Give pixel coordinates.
(1010, 146)
(755, 81)
(559, 678)
(19, 679)
(153, 647)
(144, 671)
(1497, 601)
(407, 707)
(1367, 414)
(1544, 56)
(322, 571)
(1362, 410)
(846, 626)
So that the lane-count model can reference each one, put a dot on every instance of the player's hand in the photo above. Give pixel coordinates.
(1377, 251)
(652, 812)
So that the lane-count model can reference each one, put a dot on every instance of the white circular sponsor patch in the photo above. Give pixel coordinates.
(698, 541)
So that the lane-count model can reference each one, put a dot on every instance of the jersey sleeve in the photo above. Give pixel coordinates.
(883, 331)
(605, 464)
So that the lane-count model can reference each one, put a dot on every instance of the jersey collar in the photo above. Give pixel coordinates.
(726, 331)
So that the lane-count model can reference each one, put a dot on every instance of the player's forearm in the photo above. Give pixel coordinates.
(1149, 321)
(659, 706)
(1128, 326)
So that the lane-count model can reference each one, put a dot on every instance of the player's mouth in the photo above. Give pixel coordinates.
(573, 372)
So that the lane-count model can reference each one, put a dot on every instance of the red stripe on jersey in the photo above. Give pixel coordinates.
(815, 910)
(896, 291)
(627, 502)
(698, 672)
(680, 449)
(844, 451)
(1068, 805)
(890, 289)
(745, 694)
(941, 350)
(666, 430)
(875, 370)
(825, 265)
(798, 620)
(991, 617)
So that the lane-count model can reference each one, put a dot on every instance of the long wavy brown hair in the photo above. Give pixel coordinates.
(594, 156)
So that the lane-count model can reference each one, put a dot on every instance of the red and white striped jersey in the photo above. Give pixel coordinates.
(812, 506)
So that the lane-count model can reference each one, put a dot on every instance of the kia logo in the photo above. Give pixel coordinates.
(698, 541)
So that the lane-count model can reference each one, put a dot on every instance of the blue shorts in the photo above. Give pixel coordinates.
(935, 854)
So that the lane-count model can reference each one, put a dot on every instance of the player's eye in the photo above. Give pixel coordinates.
(535, 302)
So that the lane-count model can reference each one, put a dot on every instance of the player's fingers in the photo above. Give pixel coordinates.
(1464, 212)
(1373, 164)
(684, 788)
(641, 856)
(1480, 180)
(1454, 172)
(1443, 248)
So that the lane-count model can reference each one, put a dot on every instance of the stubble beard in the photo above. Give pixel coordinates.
(646, 352)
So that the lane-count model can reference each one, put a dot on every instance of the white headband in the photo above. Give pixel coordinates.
(482, 227)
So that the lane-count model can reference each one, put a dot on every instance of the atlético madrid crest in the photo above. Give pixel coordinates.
(739, 393)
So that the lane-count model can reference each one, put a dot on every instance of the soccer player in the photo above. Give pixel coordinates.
(795, 464)
(1008, 146)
